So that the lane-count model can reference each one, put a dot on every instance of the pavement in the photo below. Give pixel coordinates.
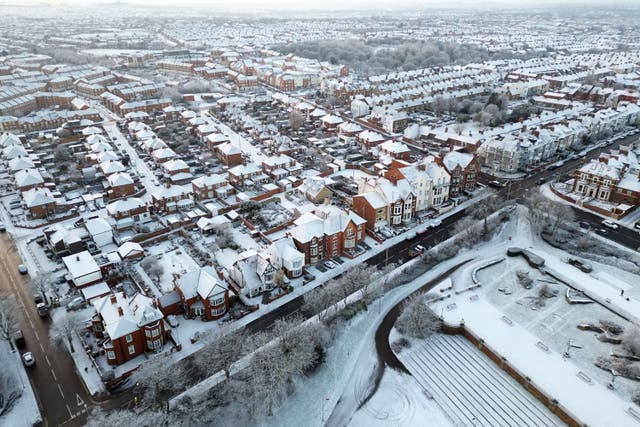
(60, 392)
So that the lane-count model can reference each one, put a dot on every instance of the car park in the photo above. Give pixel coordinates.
(28, 359)
(23, 269)
(610, 224)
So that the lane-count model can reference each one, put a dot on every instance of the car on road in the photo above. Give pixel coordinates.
(420, 231)
(417, 250)
(610, 224)
(28, 360)
(410, 236)
(75, 304)
(497, 184)
(584, 224)
(23, 269)
(540, 181)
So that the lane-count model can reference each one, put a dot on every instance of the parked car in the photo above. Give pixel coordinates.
(28, 360)
(582, 266)
(610, 224)
(637, 225)
(540, 181)
(435, 223)
(417, 250)
(18, 338)
(75, 304)
(23, 269)
(172, 321)
(584, 224)
(37, 299)
(2, 227)
(43, 310)
(497, 184)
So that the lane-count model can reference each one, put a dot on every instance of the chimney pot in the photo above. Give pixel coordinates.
(120, 312)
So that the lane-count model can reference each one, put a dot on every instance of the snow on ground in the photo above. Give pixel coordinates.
(174, 260)
(24, 412)
(469, 386)
(533, 337)
(116, 52)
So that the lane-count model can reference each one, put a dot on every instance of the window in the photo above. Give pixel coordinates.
(98, 327)
(128, 338)
(111, 355)
(155, 332)
(217, 311)
(147, 333)
(132, 349)
(606, 182)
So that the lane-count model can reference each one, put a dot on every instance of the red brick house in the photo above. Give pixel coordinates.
(327, 233)
(202, 293)
(172, 198)
(120, 185)
(278, 167)
(229, 154)
(211, 186)
(128, 211)
(131, 326)
(40, 202)
(246, 176)
(463, 168)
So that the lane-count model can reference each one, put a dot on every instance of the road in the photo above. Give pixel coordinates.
(60, 393)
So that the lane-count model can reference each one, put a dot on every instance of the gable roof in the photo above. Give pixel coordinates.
(203, 283)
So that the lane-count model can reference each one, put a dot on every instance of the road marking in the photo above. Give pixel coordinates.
(36, 334)
(60, 390)
(54, 375)
(41, 347)
(47, 359)
(79, 400)
(70, 413)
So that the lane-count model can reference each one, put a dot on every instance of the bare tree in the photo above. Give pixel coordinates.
(63, 329)
(157, 380)
(122, 418)
(9, 390)
(320, 299)
(8, 318)
(417, 320)
(153, 268)
(467, 231)
(279, 279)
(41, 284)
(221, 351)
(631, 339)
(295, 120)
(483, 208)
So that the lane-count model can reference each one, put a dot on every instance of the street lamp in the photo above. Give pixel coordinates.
(323, 403)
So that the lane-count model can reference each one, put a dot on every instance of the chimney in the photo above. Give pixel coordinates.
(113, 299)
(120, 312)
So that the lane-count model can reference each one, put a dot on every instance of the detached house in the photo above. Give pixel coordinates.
(327, 233)
(202, 293)
(285, 256)
(229, 154)
(247, 176)
(131, 326)
(83, 269)
(252, 273)
(26, 179)
(40, 202)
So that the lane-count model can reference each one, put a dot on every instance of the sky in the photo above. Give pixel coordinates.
(343, 4)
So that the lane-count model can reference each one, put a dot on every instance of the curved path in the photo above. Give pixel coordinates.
(386, 356)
